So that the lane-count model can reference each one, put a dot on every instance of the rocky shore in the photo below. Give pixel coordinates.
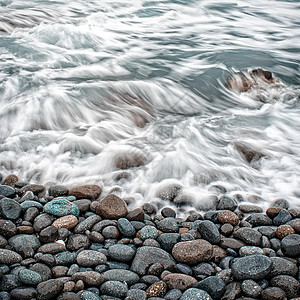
(64, 244)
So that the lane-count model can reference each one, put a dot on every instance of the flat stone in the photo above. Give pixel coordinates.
(7, 191)
(250, 250)
(291, 245)
(192, 252)
(146, 256)
(58, 191)
(29, 277)
(90, 258)
(258, 219)
(68, 222)
(136, 215)
(227, 216)
(84, 204)
(114, 288)
(213, 285)
(52, 248)
(61, 207)
(288, 284)
(49, 289)
(250, 208)
(249, 236)
(283, 217)
(121, 253)
(10, 209)
(121, 275)
(273, 293)
(254, 267)
(9, 257)
(65, 258)
(89, 277)
(231, 243)
(7, 228)
(30, 214)
(251, 288)
(112, 207)
(136, 294)
(35, 188)
(179, 281)
(42, 269)
(209, 232)
(88, 191)
(282, 266)
(77, 241)
(195, 294)
(49, 234)
(24, 293)
(157, 289)
(173, 294)
(111, 232)
(22, 240)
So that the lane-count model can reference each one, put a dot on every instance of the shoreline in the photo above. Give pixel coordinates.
(68, 244)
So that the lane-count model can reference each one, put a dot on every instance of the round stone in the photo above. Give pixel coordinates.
(88, 191)
(283, 217)
(68, 222)
(195, 294)
(111, 207)
(10, 209)
(11, 180)
(251, 288)
(192, 252)
(9, 257)
(90, 258)
(65, 258)
(24, 293)
(249, 236)
(49, 289)
(121, 275)
(291, 245)
(58, 191)
(89, 277)
(87, 295)
(7, 191)
(227, 216)
(284, 230)
(273, 293)
(254, 267)
(29, 277)
(61, 207)
(22, 240)
(29, 203)
(227, 203)
(167, 212)
(87, 223)
(114, 288)
(288, 284)
(168, 240)
(282, 266)
(7, 228)
(209, 232)
(126, 228)
(77, 241)
(169, 192)
(179, 281)
(213, 285)
(111, 232)
(148, 232)
(168, 225)
(121, 253)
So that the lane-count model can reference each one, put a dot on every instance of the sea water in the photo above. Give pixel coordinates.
(87, 84)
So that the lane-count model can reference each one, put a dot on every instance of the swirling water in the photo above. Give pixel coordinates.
(85, 83)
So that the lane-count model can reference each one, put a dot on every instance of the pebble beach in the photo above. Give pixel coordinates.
(61, 243)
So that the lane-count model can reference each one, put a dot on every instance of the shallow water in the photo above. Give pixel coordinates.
(85, 83)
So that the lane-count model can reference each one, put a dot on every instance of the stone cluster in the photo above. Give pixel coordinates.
(76, 244)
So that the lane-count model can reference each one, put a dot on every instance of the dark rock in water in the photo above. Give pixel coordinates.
(90, 258)
(149, 208)
(291, 245)
(121, 253)
(250, 155)
(29, 277)
(121, 275)
(22, 240)
(9, 282)
(126, 228)
(114, 288)
(24, 293)
(168, 225)
(213, 285)
(168, 240)
(49, 234)
(283, 217)
(209, 232)
(61, 207)
(282, 266)
(258, 219)
(5, 296)
(146, 256)
(7, 228)
(168, 212)
(195, 294)
(281, 203)
(251, 288)
(11, 180)
(42, 221)
(169, 192)
(192, 252)
(35, 188)
(10, 209)
(89, 277)
(249, 236)
(9, 257)
(49, 289)
(273, 293)
(254, 267)
(227, 203)
(58, 191)
(112, 207)
(88, 191)
(288, 284)
(7, 191)
(130, 160)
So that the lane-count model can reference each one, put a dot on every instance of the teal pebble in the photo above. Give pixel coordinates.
(89, 296)
(148, 232)
(61, 207)
(65, 258)
(29, 277)
(126, 228)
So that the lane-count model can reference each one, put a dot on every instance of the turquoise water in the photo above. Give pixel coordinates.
(84, 83)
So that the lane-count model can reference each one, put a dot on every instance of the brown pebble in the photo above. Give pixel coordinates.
(79, 285)
(112, 207)
(272, 212)
(25, 230)
(227, 216)
(284, 230)
(296, 225)
(179, 281)
(68, 222)
(69, 286)
(11, 180)
(183, 230)
(226, 229)
(157, 289)
(59, 271)
(88, 191)
(218, 254)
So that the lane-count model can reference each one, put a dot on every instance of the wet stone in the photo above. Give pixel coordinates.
(9, 257)
(249, 236)
(58, 191)
(88, 191)
(288, 284)
(282, 266)
(257, 219)
(111, 232)
(231, 243)
(83, 204)
(169, 192)
(121, 253)
(173, 294)
(30, 214)
(9, 282)
(49, 234)
(42, 221)
(87, 224)
(89, 278)
(52, 248)
(203, 269)
(136, 215)
(250, 208)
(10, 180)
(291, 245)
(273, 293)
(254, 267)
(61, 207)
(136, 294)
(250, 250)
(65, 258)
(209, 232)
(10, 209)
(7, 191)
(283, 217)
(35, 188)
(87, 295)
(47, 259)
(282, 203)
(90, 258)
(179, 281)
(157, 289)
(268, 231)
(68, 222)
(112, 207)
(29, 203)
(227, 203)
(227, 216)
(126, 228)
